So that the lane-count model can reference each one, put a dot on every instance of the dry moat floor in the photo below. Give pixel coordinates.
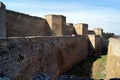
(93, 67)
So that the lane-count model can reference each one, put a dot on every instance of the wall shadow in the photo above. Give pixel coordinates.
(83, 68)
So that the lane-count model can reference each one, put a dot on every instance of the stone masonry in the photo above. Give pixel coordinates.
(57, 24)
(81, 28)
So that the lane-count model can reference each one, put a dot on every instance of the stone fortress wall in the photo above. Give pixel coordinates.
(18, 24)
(21, 58)
(43, 44)
(15, 24)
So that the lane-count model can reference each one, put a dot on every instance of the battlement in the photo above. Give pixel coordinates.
(16, 24)
(81, 28)
(57, 23)
(98, 31)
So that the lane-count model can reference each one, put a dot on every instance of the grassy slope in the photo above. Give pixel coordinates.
(98, 70)
(93, 67)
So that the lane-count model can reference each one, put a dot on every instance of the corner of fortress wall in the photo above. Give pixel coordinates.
(98, 31)
(81, 28)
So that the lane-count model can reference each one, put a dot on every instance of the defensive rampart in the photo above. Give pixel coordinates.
(21, 58)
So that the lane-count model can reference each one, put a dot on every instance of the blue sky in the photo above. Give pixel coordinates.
(97, 13)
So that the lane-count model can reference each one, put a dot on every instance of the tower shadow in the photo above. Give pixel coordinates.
(83, 68)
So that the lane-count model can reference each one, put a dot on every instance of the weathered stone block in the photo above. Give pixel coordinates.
(57, 23)
(81, 28)
(98, 31)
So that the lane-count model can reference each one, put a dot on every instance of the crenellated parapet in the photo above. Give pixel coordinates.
(98, 31)
(81, 28)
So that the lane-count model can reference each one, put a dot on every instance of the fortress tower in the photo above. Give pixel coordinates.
(81, 28)
(57, 24)
(98, 31)
(2, 20)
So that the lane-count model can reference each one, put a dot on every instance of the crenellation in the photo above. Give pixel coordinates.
(81, 28)
(98, 31)
(57, 24)
(52, 25)
(21, 25)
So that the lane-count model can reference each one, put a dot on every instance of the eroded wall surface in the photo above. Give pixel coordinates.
(21, 58)
(113, 58)
(19, 24)
(57, 23)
